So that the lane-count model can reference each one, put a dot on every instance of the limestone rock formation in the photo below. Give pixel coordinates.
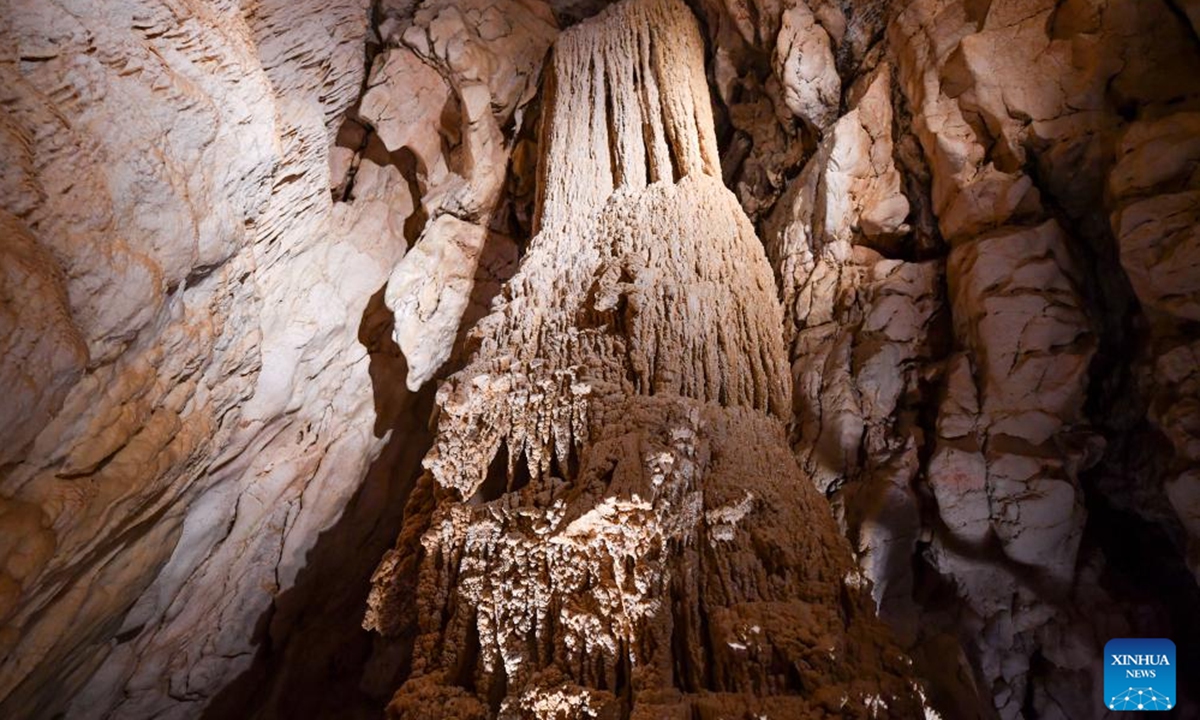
(943, 253)
(612, 524)
(494, 68)
(972, 408)
(167, 201)
(805, 65)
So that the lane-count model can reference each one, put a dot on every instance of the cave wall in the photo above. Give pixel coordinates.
(176, 277)
(243, 242)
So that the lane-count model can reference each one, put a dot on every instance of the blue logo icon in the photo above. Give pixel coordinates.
(1139, 674)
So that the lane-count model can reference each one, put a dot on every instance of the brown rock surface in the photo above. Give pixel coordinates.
(1156, 190)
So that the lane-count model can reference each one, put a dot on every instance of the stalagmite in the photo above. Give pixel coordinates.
(612, 523)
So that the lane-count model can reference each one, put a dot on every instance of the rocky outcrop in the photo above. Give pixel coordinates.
(1014, 431)
(863, 331)
(612, 524)
(493, 68)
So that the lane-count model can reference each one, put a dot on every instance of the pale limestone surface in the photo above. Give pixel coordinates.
(192, 406)
(805, 65)
(492, 51)
(182, 300)
(171, 161)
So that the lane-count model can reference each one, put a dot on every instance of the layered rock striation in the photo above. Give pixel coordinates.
(167, 291)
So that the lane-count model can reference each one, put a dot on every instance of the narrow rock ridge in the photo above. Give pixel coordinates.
(613, 524)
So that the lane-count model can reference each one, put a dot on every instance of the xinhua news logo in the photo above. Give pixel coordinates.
(1139, 674)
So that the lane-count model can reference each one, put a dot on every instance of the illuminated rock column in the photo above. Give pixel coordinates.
(612, 523)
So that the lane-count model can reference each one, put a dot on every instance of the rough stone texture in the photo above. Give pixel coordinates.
(857, 324)
(182, 308)
(805, 65)
(172, 233)
(1156, 189)
(861, 327)
(234, 235)
(1027, 347)
(952, 419)
(1009, 443)
(492, 51)
(392, 114)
